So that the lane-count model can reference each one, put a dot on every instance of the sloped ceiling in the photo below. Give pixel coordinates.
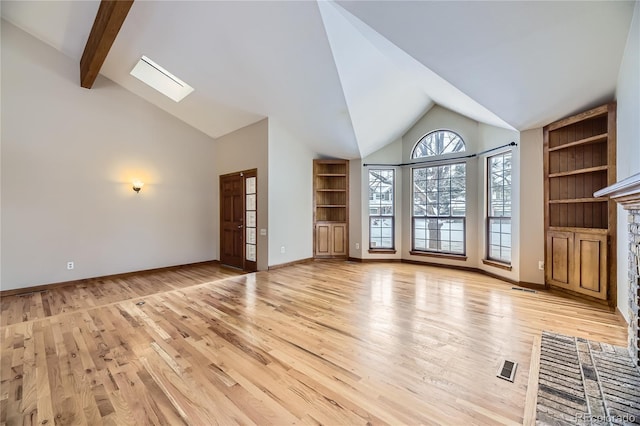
(350, 77)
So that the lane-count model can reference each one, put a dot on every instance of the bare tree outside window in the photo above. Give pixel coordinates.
(439, 196)
(440, 142)
(439, 208)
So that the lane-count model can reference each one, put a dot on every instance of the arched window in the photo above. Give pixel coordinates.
(439, 196)
(439, 142)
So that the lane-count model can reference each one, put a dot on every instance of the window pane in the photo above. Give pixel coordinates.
(499, 207)
(441, 198)
(438, 143)
(381, 196)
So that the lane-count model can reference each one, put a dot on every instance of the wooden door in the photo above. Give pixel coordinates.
(559, 263)
(591, 264)
(232, 220)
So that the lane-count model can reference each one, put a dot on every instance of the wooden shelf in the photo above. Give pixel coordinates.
(580, 229)
(331, 208)
(593, 139)
(603, 231)
(578, 200)
(579, 171)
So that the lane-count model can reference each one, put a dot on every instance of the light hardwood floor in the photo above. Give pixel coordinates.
(324, 342)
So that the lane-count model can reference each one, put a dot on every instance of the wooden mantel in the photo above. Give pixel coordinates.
(625, 192)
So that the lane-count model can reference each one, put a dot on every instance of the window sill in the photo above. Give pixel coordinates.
(439, 255)
(496, 264)
(382, 251)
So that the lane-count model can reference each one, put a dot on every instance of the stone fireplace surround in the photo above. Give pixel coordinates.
(627, 193)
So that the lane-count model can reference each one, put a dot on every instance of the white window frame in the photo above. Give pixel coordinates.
(440, 219)
(379, 202)
(503, 220)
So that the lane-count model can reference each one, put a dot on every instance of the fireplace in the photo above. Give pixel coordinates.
(627, 194)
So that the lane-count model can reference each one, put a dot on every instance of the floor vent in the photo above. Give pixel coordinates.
(527, 290)
(507, 370)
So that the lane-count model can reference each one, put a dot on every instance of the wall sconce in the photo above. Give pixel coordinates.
(137, 185)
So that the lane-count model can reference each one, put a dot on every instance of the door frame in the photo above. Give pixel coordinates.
(247, 265)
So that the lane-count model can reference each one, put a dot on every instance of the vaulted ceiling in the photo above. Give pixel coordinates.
(350, 77)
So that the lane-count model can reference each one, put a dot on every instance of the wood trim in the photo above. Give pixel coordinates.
(438, 255)
(533, 286)
(496, 264)
(595, 112)
(360, 260)
(580, 296)
(442, 265)
(577, 230)
(531, 400)
(382, 251)
(524, 284)
(621, 317)
(612, 242)
(109, 19)
(500, 277)
(547, 206)
(295, 262)
(46, 287)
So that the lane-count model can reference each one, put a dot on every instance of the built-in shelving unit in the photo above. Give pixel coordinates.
(330, 207)
(579, 159)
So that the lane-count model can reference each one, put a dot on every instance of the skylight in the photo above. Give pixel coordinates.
(160, 79)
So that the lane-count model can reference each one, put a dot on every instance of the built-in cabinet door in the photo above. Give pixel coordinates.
(339, 238)
(323, 239)
(331, 239)
(577, 261)
(559, 270)
(591, 264)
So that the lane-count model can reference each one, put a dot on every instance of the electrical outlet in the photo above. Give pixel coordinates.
(357, 246)
(541, 265)
(70, 265)
(282, 249)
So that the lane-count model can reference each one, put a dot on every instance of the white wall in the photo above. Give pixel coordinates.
(245, 149)
(68, 158)
(357, 216)
(290, 196)
(531, 206)
(628, 145)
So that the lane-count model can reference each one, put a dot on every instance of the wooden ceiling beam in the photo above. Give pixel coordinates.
(109, 19)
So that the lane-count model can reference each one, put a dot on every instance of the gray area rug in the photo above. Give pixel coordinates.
(582, 382)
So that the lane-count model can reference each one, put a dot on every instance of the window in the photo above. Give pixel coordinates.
(440, 142)
(439, 208)
(381, 187)
(499, 207)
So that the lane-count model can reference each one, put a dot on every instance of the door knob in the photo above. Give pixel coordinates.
(240, 226)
